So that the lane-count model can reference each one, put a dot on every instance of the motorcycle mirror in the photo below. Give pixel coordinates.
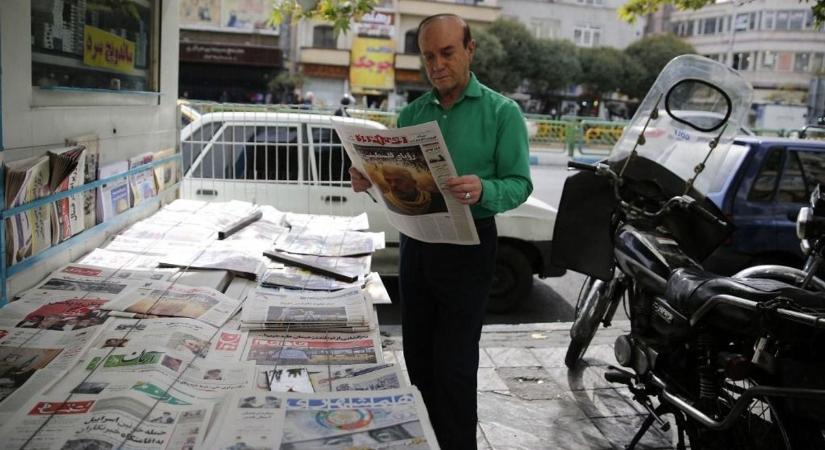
(698, 104)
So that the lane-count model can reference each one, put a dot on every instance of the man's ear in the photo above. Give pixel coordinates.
(471, 48)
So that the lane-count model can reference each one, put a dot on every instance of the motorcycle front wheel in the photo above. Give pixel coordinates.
(593, 302)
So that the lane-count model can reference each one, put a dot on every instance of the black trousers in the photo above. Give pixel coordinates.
(444, 290)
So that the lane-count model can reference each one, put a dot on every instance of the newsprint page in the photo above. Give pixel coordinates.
(409, 168)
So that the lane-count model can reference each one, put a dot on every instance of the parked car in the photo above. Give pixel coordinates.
(761, 186)
(295, 162)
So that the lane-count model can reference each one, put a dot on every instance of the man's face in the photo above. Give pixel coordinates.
(442, 49)
(400, 183)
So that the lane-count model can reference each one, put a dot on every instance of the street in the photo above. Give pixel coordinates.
(552, 299)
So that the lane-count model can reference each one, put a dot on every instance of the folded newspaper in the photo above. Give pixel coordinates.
(312, 311)
(409, 168)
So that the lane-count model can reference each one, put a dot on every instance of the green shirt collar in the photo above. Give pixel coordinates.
(473, 89)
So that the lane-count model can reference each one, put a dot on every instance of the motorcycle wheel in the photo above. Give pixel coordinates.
(591, 306)
(762, 426)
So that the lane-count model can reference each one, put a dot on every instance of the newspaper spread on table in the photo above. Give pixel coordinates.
(312, 348)
(387, 419)
(409, 168)
(306, 310)
(365, 377)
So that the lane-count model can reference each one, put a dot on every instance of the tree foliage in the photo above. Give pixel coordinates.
(601, 69)
(653, 53)
(554, 65)
(340, 13)
(633, 9)
(519, 49)
(489, 62)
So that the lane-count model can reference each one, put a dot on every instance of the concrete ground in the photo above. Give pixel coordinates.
(528, 399)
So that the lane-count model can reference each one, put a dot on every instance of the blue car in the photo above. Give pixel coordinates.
(761, 187)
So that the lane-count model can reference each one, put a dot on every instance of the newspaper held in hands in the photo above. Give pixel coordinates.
(409, 168)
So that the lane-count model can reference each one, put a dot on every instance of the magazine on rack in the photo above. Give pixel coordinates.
(409, 168)
(68, 168)
(92, 156)
(142, 184)
(394, 418)
(27, 233)
(112, 198)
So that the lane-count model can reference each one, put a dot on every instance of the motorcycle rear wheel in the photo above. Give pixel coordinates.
(591, 306)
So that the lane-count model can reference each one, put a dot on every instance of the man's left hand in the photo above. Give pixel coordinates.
(466, 189)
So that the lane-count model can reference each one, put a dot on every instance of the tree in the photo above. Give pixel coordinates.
(601, 69)
(653, 53)
(340, 13)
(554, 65)
(489, 62)
(636, 8)
(519, 49)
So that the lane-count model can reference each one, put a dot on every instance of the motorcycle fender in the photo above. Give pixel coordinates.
(582, 238)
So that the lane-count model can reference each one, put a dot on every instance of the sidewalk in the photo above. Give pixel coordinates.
(527, 398)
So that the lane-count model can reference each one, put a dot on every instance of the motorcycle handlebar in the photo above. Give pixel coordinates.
(580, 166)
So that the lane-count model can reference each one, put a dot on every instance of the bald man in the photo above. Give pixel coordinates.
(444, 288)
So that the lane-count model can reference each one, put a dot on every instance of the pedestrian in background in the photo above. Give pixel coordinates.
(444, 287)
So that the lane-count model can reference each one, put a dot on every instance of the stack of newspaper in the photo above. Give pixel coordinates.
(345, 310)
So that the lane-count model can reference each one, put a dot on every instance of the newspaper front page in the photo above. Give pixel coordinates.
(294, 421)
(299, 310)
(409, 168)
(312, 348)
(370, 377)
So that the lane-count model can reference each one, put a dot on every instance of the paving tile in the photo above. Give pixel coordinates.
(512, 357)
(550, 356)
(481, 440)
(620, 430)
(600, 355)
(488, 380)
(510, 423)
(530, 383)
(597, 403)
(580, 379)
(484, 359)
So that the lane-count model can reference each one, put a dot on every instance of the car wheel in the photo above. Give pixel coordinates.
(512, 280)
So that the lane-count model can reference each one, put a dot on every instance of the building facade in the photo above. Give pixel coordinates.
(773, 43)
(228, 50)
(377, 61)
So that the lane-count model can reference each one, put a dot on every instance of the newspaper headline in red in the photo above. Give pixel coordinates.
(228, 341)
(87, 271)
(60, 408)
(380, 140)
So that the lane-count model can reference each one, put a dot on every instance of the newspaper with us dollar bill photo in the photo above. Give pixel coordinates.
(409, 168)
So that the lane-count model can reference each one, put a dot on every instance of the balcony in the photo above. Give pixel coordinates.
(483, 11)
(325, 56)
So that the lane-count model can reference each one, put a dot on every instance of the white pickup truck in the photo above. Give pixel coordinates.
(295, 162)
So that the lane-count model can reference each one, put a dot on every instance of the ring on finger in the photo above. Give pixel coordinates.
(466, 196)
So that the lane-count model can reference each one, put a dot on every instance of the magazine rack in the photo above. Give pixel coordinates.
(6, 272)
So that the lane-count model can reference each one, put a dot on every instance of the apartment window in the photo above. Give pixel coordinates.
(784, 61)
(545, 28)
(809, 20)
(802, 62)
(587, 36)
(782, 20)
(818, 62)
(411, 42)
(796, 20)
(591, 2)
(768, 60)
(742, 61)
(710, 26)
(323, 37)
(689, 29)
(768, 19)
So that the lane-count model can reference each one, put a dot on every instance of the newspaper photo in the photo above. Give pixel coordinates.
(409, 168)
(312, 348)
(161, 298)
(372, 377)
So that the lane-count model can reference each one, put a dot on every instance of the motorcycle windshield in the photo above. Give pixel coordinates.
(696, 100)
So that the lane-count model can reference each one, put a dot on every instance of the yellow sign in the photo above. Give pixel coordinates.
(372, 64)
(107, 50)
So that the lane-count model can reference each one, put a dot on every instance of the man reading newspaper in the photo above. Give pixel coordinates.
(444, 287)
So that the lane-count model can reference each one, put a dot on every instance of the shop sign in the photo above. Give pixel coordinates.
(377, 24)
(230, 54)
(107, 50)
(372, 62)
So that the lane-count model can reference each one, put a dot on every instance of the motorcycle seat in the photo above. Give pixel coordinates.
(689, 288)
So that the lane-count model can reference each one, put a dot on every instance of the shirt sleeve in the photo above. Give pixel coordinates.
(512, 184)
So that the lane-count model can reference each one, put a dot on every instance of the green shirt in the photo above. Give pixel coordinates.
(486, 135)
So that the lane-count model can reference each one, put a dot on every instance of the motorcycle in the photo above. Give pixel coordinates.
(738, 362)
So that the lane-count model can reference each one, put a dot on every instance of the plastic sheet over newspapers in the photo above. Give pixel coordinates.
(159, 340)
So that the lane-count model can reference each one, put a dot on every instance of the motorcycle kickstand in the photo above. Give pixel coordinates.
(652, 417)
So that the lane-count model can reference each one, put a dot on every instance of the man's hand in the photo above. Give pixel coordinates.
(360, 183)
(466, 189)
